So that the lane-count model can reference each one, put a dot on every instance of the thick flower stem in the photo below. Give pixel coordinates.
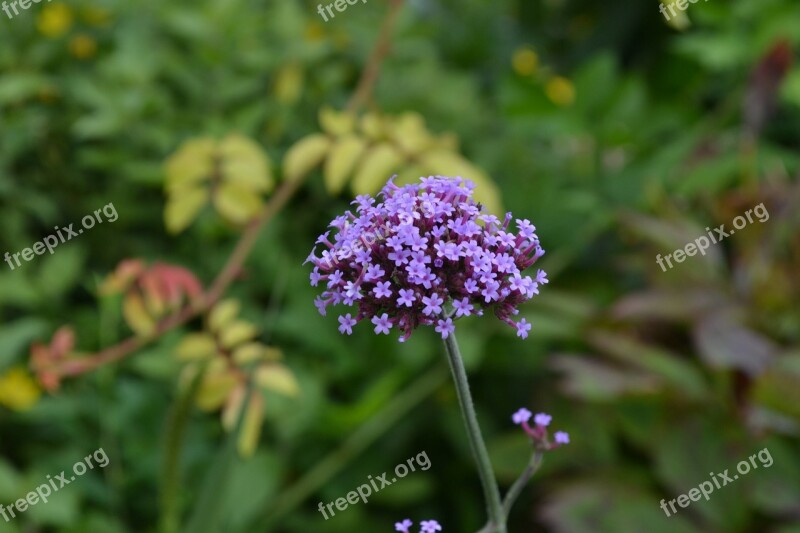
(494, 507)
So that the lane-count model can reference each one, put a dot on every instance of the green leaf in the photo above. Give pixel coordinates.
(60, 271)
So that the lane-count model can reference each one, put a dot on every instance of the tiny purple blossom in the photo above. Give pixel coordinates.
(334, 279)
(561, 437)
(445, 327)
(382, 324)
(403, 526)
(523, 327)
(463, 307)
(433, 305)
(542, 419)
(382, 289)
(373, 272)
(522, 415)
(347, 323)
(429, 526)
(407, 297)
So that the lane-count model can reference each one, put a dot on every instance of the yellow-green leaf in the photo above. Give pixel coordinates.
(251, 425)
(196, 346)
(215, 389)
(236, 333)
(277, 378)
(233, 406)
(447, 163)
(341, 161)
(410, 134)
(137, 317)
(183, 207)
(336, 123)
(245, 164)
(193, 162)
(248, 353)
(375, 169)
(307, 153)
(373, 126)
(236, 204)
(222, 314)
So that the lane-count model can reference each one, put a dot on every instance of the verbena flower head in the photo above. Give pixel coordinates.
(424, 250)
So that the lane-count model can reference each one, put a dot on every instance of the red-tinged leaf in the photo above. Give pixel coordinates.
(762, 91)
(673, 305)
(681, 375)
(63, 342)
(610, 503)
(724, 343)
(593, 379)
(125, 274)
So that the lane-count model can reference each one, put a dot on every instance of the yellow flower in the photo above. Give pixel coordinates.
(17, 390)
(560, 91)
(82, 46)
(314, 31)
(54, 20)
(525, 61)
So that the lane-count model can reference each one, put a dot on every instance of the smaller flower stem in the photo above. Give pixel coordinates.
(515, 490)
(491, 493)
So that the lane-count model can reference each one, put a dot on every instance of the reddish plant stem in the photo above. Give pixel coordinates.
(226, 276)
(372, 71)
(233, 267)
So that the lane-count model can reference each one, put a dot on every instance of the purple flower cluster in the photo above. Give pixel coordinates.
(426, 526)
(423, 256)
(538, 433)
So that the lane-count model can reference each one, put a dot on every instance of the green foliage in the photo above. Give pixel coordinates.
(617, 134)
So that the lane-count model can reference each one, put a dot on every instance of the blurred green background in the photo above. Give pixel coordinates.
(620, 134)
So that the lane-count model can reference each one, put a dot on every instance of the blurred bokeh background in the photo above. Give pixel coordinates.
(620, 134)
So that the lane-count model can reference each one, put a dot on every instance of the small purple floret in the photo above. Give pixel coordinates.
(522, 415)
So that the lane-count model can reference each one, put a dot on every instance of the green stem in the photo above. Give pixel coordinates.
(170, 478)
(515, 490)
(491, 494)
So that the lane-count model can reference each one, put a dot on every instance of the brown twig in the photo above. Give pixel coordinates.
(226, 276)
(245, 245)
(371, 72)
